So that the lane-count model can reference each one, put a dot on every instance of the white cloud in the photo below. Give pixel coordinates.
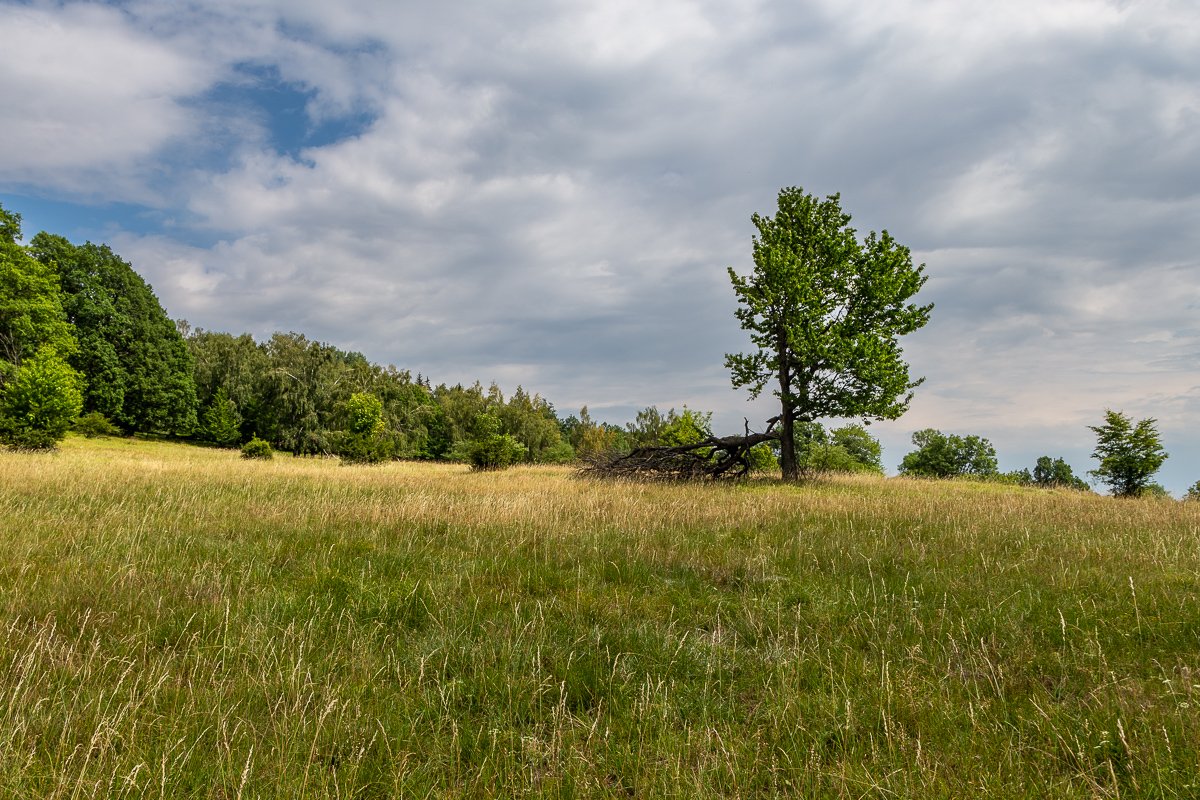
(84, 92)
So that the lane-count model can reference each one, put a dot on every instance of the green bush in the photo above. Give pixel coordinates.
(258, 448)
(762, 458)
(939, 455)
(560, 453)
(93, 424)
(495, 451)
(39, 402)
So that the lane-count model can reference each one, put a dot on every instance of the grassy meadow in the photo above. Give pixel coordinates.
(178, 622)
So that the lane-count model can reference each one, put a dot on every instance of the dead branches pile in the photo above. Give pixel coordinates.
(713, 457)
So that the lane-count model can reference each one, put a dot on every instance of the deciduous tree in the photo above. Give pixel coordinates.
(825, 313)
(1129, 453)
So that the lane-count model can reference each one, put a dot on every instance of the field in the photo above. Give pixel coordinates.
(178, 622)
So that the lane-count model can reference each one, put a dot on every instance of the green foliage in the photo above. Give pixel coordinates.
(1051, 473)
(39, 402)
(31, 309)
(138, 369)
(94, 424)
(941, 456)
(1129, 454)
(594, 439)
(762, 458)
(365, 412)
(531, 421)
(492, 450)
(257, 448)
(652, 428)
(860, 445)
(222, 422)
(824, 312)
(10, 226)
(1156, 491)
(846, 449)
(686, 427)
(235, 365)
(561, 453)
(364, 441)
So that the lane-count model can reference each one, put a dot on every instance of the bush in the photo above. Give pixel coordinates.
(1053, 473)
(39, 402)
(846, 449)
(561, 453)
(1193, 493)
(258, 448)
(762, 458)
(93, 424)
(495, 451)
(1156, 491)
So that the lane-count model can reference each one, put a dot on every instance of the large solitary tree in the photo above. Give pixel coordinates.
(825, 312)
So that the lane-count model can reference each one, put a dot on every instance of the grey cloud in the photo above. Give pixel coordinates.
(549, 193)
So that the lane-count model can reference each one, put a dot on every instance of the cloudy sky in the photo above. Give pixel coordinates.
(548, 193)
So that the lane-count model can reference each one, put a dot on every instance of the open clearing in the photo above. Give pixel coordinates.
(178, 622)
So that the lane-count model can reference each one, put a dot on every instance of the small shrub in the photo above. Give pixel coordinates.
(93, 424)
(560, 453)
(258, 448)
(29, 439)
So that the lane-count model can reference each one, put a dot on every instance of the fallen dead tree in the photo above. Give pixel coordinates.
(712, 457)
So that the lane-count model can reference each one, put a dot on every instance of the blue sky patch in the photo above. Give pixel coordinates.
(260, 95)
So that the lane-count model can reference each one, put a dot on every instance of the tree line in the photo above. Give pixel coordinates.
(84, 342)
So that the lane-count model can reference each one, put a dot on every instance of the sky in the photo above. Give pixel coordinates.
(548, 194)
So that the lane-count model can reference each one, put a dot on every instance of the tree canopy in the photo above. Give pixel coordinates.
(1129, 453)
(825, 312)
(137, 367)
(940, 455)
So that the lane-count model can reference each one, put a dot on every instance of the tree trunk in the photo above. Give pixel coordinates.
(787, 445)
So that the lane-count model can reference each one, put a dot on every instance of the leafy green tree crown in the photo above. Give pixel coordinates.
(825, 313)
(939, 455)
(138, 369)
(1055, 472)
(1129, 454)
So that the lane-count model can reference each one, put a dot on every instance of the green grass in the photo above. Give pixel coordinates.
(179, 622)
